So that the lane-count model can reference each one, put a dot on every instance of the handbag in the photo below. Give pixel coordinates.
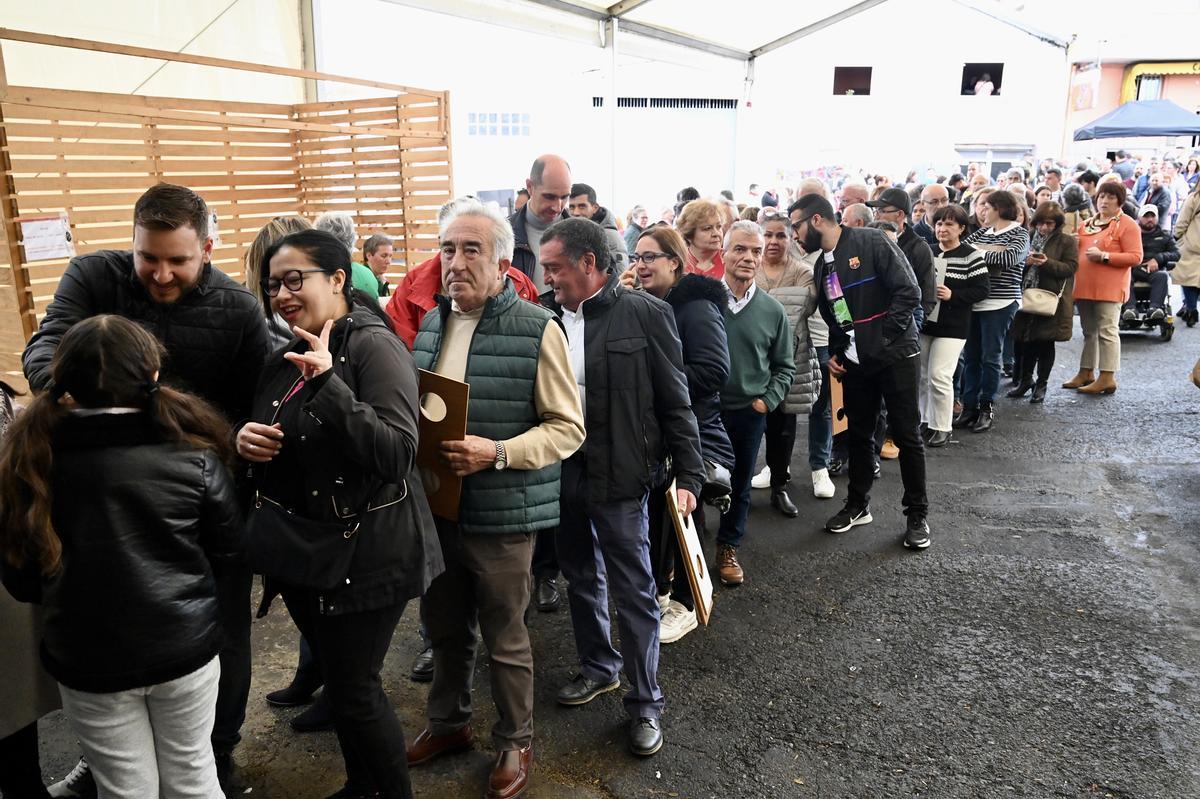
(1040, 302)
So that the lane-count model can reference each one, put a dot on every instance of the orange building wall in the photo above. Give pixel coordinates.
(1182, 89)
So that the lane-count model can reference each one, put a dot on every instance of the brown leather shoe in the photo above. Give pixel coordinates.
(889, 451)
(728, 568)
(1104, 384)
(427, 746)
(1083, 378)
(510, 775)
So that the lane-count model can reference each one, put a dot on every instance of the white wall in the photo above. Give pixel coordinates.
(914, 113)
(488, 68)
(262, 31)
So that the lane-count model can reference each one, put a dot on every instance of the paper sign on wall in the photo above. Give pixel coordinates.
(46, 237)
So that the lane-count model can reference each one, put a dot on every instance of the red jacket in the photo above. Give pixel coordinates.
(414, 297)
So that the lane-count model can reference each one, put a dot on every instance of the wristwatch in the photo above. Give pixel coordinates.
(1104, 257)
(501, 458)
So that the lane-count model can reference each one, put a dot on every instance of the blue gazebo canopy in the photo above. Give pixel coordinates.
(1142, 118)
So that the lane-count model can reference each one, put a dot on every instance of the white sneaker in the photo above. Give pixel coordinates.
(822, 485)
(664, 601)
(762, 479)
(677, 622)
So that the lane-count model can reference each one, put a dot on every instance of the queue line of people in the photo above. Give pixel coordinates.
(325, 432)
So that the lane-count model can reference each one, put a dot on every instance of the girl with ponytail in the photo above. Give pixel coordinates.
(118, 515)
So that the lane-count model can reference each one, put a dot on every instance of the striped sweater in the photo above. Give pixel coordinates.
(1005, 267)
(966, 275)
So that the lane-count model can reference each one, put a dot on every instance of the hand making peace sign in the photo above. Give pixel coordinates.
(318, 359)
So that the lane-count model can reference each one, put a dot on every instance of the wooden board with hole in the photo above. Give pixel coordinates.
(443, 404)
(693, 558)
(837, 406)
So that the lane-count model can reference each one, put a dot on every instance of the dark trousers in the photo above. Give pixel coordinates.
(745, 427)
(234, 687)
(781, 440)
(545, 556)
(482, 592)
(820, 422)
(20, 767)
(350, 649)
(1190, 295)
(1159, 282)
(601, 545)
(665, 554)
(983, 354)
(896, 384)
(1037, 355)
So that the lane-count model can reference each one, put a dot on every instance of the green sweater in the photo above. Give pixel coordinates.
(760, 354)
(363, 279)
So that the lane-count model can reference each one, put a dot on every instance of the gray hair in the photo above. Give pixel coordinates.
(375, 242)
(813, 186)
(744, 226)
(502, 232)
(859, 212)
(339, 224)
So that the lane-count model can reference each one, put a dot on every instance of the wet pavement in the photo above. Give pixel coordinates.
(1046, 645)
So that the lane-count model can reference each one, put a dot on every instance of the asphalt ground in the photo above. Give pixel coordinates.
(1045, 645)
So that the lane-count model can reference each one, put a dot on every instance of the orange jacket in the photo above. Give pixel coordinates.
(1108, 282)
(414, 297)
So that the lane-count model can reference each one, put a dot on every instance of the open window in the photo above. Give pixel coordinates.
(981, 78)
(852, 80)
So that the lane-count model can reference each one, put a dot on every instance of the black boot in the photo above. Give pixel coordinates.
(1039, 393)
(983, 422)
(1022, 388)
(967, 418)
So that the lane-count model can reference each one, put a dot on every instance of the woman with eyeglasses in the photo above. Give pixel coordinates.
(333, 440)
(1052, 262)
(786, 277)
(659, 259)
(1110, 245)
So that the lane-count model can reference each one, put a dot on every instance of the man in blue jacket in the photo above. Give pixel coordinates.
(867, 294)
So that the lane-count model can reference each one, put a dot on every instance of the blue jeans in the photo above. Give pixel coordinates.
(603, 546)
(820, 424)
(745, 427)
(983, 353)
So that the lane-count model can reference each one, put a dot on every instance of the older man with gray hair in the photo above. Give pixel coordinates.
(340, 224)
(857, 215)
(524, 417)
(762, 366)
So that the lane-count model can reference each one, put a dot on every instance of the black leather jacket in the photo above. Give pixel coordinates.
(356, 434)
(637, 409)
(215, 335)
(147, 529)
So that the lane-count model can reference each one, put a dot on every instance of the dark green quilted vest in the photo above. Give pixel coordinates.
(501, 369)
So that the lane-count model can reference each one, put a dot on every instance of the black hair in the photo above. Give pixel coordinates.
(953, 212)
(166, 206)
(811, 204)
(1088, 176)
(955, 178)
(1053, 171)
(688, 194)
(326, 252)
(583, 188)
(727, 194)
(522, 191)
(578, 237)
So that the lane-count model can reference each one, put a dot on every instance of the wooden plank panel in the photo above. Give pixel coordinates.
(108, 132)
(65, 97)
(118, 182)
(94, 148)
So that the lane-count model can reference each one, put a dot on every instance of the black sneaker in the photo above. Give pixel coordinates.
(848, 517)
(836, 466)
(79, 784)
(916, 536)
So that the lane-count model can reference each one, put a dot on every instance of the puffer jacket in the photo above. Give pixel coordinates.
(797, 293)
(697, 302)
(215, 335)
(1056, 275)
(1187, 233)
(147, 528)
(356, 433)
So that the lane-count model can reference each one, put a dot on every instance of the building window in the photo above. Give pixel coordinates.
(852, 80)
(983, 79)
(1149, 87)
(497, 124)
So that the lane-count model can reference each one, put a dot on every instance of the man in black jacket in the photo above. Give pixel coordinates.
(215, 335)
(629, 366)
(1160, 254)
(867, 295)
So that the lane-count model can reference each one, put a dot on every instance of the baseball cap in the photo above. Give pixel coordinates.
(1148, 209)
(897, 198)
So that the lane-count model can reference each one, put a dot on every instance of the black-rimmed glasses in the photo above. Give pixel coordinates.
(293, 279)
(647, 258)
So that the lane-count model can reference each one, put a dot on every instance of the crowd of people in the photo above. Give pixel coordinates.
(186, 432)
